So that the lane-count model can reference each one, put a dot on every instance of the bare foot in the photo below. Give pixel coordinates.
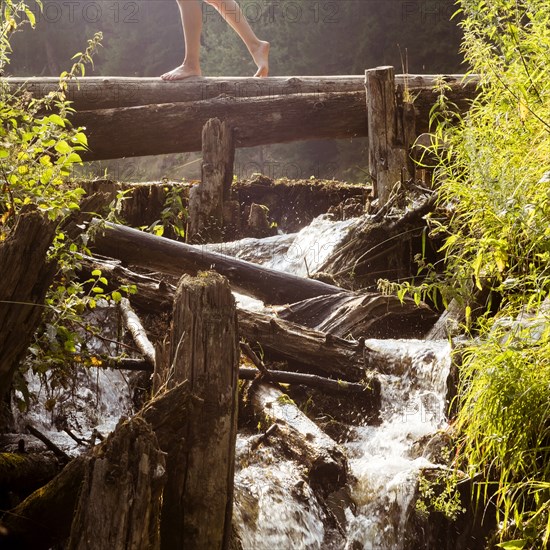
(260, 54)
(180, 73)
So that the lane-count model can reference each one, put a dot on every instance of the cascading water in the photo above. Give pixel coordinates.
(382, 457)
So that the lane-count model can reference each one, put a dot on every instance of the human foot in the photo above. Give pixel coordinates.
(181, 73)
(260, 54)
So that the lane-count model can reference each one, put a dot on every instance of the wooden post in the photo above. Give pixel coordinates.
(388, 124)
(198, 499)
(206, 201)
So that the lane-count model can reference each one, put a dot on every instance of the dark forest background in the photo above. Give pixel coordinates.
(308, 37)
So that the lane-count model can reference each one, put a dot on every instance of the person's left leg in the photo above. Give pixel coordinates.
(259, 49)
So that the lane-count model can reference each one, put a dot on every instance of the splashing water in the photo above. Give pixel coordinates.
(413, 406)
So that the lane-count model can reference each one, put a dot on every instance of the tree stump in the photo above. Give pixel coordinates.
(198, 500)
(119, 503)
(206, 201)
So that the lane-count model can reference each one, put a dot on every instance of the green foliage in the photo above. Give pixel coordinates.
(38, 151)
(490, 178)
(173, 217)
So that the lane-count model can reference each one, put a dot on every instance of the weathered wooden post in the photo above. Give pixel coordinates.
(206, 200)
(198, 498)
(390, 131)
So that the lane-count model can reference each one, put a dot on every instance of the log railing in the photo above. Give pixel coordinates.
(129, 117)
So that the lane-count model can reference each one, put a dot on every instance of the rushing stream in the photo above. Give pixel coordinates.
(274, 508)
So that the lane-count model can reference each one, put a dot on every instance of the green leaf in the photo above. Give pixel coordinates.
(96, 273)
(513, 544)
(56, 119)
(3, 153)
(63, 147)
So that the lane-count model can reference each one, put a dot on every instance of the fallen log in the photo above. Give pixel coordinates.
(102, 92)
(154, 294)
(301, 438)
(310, 380)
(177, 127)
(44, 518)
(23, 473)
(133, 324)
(321, 352)
(157, 253)
(362, 315)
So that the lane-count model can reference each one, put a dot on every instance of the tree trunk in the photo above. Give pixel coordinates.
(198, 500)
(120, 499)
(26, 276)
(206, 200)
(160, 254)
(44, 518)
(112, 92)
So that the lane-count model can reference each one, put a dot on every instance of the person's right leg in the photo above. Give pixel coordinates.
(259, 49)
(191, 19)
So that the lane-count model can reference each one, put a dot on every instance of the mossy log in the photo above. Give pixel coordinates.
(23, 473)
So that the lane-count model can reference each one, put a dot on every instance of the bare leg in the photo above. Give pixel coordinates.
(191, 19)
(259, 49)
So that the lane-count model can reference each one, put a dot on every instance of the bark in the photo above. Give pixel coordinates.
(362, 315)
(206, 200)
(301, 438)
(319, 352)
(44, 518)
(91, 93)
(159, 254)
(198, 501)
(22, 289)
(119, 502)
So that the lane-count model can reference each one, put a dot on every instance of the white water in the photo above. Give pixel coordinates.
(413, 405)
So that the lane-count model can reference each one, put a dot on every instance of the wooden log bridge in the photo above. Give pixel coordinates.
(128, 117)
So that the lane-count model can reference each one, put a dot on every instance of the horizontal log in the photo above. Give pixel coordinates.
(177, 127)
(111, 92)
(159, 254)
(311, 380)
(321, 352)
